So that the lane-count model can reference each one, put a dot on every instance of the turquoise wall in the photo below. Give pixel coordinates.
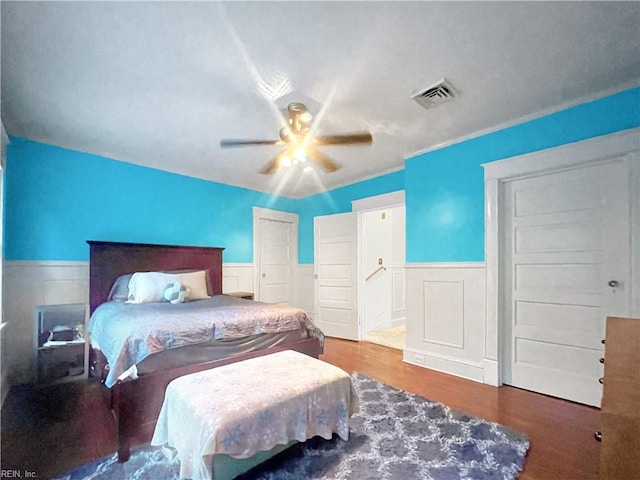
(339, 201)
(56, 199)
(444, 189)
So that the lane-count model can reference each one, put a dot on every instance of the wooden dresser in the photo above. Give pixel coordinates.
(620, 410)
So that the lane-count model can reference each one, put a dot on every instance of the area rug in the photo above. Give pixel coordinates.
(396, 435)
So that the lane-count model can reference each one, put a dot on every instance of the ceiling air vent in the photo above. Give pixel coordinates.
(434, 95)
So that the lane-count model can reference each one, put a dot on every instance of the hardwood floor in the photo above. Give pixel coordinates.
(48, 431)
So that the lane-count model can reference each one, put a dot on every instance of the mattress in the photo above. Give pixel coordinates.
(128, 334)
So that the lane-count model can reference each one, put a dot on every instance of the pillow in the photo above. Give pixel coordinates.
(195, 281)
(120, 289)
(148, 287)
(190, 270)
(177, 293)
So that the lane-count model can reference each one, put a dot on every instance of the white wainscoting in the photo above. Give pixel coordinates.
(25, 286)
(237, 277)
(445, 316)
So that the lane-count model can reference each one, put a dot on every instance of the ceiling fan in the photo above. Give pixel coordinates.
(299, 141)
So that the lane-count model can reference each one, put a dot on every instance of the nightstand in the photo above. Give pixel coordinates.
(61, 350)
(245, 295)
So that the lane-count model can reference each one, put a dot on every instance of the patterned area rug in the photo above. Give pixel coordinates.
(396, 436)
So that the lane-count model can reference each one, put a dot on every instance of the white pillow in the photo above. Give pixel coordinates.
(196, 281)
(148, 287)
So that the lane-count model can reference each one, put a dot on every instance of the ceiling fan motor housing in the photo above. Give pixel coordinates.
(299, 118)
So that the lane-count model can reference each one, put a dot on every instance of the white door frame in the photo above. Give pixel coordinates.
(276, 215)
(600, 149)
(378, 202)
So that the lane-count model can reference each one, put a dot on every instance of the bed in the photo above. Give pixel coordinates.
(135, 388)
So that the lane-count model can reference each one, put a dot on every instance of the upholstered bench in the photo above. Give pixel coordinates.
(224, 421)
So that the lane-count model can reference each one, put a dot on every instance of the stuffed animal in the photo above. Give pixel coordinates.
(177, 293)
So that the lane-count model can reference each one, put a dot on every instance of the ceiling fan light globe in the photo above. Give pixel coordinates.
(300, 154)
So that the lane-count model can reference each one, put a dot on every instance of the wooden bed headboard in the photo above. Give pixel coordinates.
(109, 260)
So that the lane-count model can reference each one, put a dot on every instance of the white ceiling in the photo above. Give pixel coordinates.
(160, 84)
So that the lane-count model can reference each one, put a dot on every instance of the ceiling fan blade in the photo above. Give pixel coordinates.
(362, 138)
(238, 142)
(273, 165)
(322, 160)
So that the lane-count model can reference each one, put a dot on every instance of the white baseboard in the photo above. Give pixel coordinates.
(441, 363)
(491, 372)
(398, 322)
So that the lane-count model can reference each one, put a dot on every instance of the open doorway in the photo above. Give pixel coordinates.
(382, 287)
(354, 298)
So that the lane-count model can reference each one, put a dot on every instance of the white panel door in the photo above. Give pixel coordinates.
(275, 261)
(335, 285)
(567, 236)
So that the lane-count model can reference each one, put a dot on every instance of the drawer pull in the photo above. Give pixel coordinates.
(601, 380)
(601, 360)
(598, 436)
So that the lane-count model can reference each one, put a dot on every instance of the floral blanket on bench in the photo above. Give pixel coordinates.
(251, 406)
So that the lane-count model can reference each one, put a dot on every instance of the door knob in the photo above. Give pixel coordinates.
(613, 283)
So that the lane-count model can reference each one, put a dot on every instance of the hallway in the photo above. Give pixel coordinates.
(394, 337)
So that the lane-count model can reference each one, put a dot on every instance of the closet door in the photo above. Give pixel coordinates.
(567, 266)
(276, 260)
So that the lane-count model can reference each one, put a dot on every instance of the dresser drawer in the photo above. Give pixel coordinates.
(622, 348)
(619, 457)
(620, 409)
(621, 396)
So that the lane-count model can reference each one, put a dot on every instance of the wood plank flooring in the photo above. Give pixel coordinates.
(48, 431)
